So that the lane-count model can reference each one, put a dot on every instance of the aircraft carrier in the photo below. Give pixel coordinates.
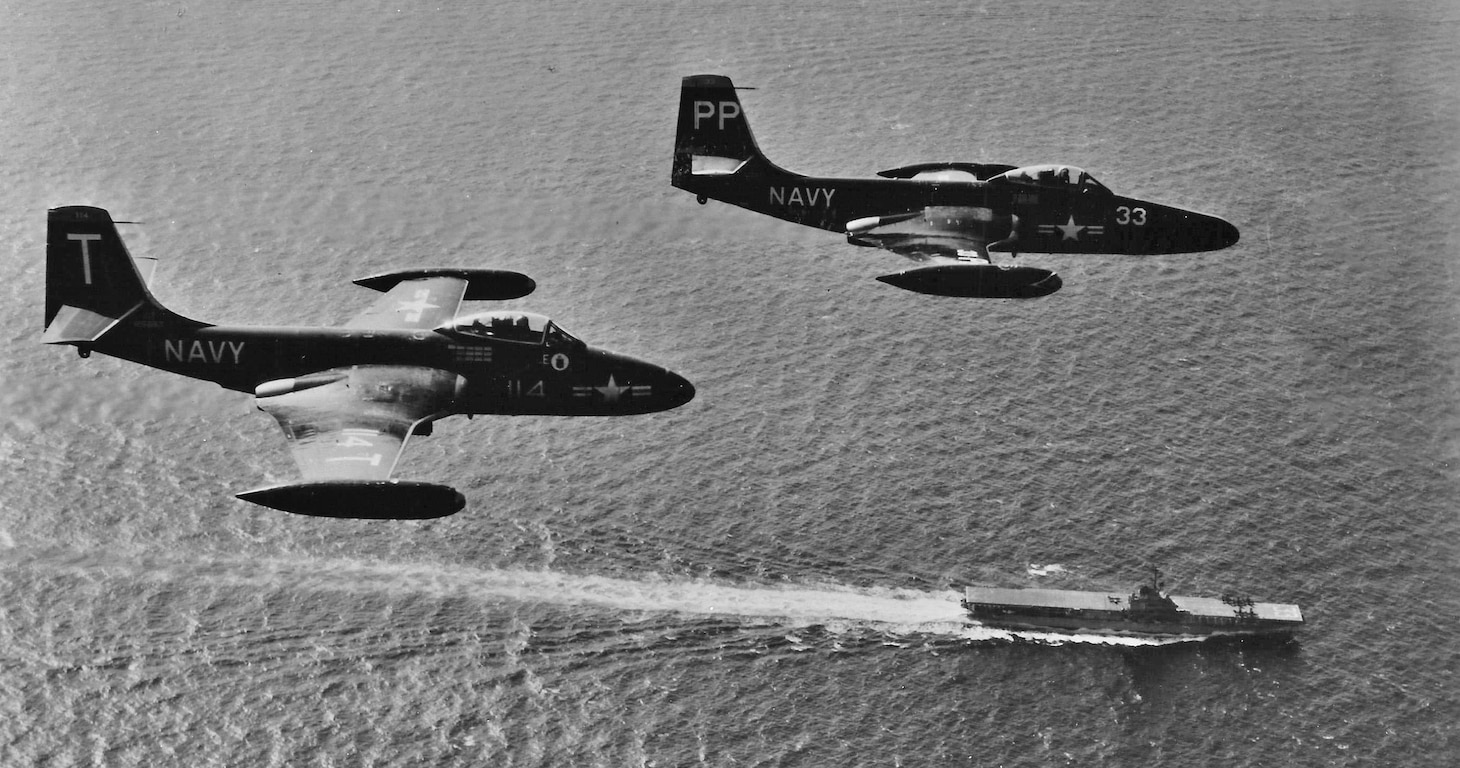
(1147, 611)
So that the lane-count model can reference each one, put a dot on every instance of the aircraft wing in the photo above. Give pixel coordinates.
(346, 429)
(926, 247)
(427, 298)
(418, 303)
(956, 241)
(932, 233)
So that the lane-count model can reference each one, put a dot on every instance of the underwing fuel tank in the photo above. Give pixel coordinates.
(979, 281)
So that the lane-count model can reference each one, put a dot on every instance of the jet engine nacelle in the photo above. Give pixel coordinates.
(297, 384)
(936, 228)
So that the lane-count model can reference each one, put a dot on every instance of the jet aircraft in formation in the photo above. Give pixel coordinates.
(349, 398)
(949, 215)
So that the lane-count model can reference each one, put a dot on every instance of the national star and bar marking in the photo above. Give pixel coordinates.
(417, 305)
(1071, 230)
(613, 390)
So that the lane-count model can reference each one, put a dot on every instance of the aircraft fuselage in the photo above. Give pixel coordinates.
(952, 209)
(501, 377)
(1048, 220)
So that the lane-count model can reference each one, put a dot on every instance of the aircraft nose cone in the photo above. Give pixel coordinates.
(1213, 234)
(1229, 234)
(1173, 230)
(675, 389)
(626, 384)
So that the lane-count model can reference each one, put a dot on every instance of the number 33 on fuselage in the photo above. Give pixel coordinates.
(1063, 209)
(950, 214)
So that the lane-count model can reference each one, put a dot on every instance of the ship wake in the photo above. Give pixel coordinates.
(890, 613)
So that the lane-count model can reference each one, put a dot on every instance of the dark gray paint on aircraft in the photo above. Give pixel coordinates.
(953, 214)
(348, 398)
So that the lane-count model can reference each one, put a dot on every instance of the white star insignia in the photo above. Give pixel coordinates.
(1070, 230)
(611, 391)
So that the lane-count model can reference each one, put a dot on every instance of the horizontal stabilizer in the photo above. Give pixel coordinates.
(979, 281)
(74, 325)
(481, 284)
(371, 500)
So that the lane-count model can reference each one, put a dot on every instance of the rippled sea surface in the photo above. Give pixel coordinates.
(769, 575)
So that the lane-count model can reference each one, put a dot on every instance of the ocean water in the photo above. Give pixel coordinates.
(768, 575)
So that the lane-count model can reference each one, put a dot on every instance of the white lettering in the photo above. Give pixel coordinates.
(703, 109)
(357, 438)
(373, 459)
(801, 196)
(85, 252)
(721, 111)
(730, 110)
(415, 308)
(210, 352)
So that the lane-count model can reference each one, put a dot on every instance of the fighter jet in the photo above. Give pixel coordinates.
(949, 216)
(349, 398)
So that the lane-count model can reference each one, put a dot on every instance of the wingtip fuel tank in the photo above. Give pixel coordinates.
(981, 281)
(372, 500)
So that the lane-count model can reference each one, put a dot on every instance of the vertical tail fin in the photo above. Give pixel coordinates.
(713, 136)
(91, 281)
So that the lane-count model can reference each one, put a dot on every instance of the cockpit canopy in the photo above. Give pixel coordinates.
(506, 325)
(1053, 176)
